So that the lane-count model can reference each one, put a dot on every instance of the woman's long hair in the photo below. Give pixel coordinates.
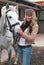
(31, 12)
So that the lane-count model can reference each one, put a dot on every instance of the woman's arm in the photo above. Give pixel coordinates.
(30, 37)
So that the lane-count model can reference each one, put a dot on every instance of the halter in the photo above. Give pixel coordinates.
(11, 26)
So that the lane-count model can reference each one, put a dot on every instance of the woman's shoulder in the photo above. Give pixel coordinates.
(36, 25)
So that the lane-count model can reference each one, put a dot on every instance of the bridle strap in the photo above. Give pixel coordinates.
(10, 26)
(8, 11)
(8, 21)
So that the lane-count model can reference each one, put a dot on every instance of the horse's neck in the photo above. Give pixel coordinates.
(2, 24)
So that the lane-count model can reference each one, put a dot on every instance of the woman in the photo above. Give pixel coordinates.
(27, 37)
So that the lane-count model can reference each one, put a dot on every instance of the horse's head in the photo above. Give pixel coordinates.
(12, 15)
(9, 7)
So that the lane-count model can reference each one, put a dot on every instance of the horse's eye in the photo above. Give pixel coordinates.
(10, 17)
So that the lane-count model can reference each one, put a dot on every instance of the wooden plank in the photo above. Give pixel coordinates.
(20, 5)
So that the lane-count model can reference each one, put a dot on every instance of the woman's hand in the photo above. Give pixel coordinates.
(20, 31)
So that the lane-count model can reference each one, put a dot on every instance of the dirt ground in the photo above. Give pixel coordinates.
(37, 56)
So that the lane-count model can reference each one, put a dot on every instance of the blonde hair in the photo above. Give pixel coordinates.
(31, 12)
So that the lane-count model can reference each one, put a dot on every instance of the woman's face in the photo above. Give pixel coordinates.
(28, 18)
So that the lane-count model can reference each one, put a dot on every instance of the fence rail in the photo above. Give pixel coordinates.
(3, 2)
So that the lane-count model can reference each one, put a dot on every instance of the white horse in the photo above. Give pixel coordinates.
(8, 27)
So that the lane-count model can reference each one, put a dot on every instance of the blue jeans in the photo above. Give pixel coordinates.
(25, 54)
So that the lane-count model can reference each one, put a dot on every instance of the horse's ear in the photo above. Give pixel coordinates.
(7, 6)
(16, 9)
